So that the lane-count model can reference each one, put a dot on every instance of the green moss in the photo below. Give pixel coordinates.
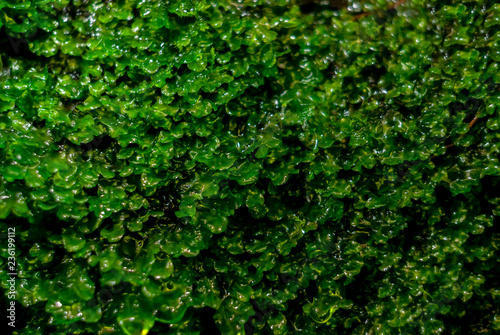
(262, 167)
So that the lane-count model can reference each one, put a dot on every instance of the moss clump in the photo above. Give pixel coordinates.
(279, 167)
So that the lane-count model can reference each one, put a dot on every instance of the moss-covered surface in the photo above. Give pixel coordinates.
(267, 167)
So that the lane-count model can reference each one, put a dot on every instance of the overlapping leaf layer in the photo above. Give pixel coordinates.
(268, 167)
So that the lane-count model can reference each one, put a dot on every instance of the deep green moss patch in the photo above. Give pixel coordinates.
(266, 167)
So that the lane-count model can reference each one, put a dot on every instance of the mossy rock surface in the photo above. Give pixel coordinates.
(251, 167)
